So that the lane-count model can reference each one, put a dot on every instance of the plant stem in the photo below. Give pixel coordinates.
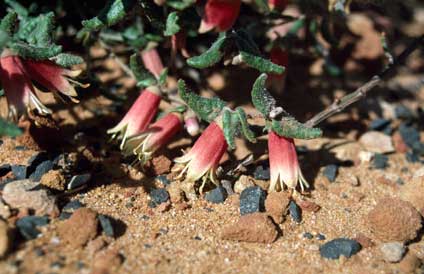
(340, 104)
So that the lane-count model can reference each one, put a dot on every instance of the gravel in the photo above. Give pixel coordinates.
(158, 196)
(28, 226)
(392, 252)
(106, 224)
(339, 247)
(216, 195)
(330, 172)
(252, 199)
(295, 212)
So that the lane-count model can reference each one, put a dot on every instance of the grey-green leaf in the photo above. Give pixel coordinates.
(8, 129)
(172, 26)
(38, 53)
(143, 76)
(112, 13)
(67, 60)
(210, 57)
(261, 64)
(261, 98)
(7, 24)
(229, 128)
(247, 132)
(289, 127)
(206, 108)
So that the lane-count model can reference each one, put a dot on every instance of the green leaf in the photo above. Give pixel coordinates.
(7, 24)
(210, 57)
(67, 60)
(112, 13)
(261, 64)
(162, 77)
(206, 108)
(172, 26)
(261, 98)
(247, 132)
(143, 76)
(263, 5)
(4, 39)
(180, 4)
(38, 53)
(229, 127)
(245, 42)
(42, 34)
(289, 127)
(8, 129)
(18, 8)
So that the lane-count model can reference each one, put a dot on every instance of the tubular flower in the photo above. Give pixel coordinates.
(152, 61)
(158, 135)
(277, 4)
(219, 14)
(285, 169)
(191, 123)
(203, 158)
(138, 117)
(18, 88)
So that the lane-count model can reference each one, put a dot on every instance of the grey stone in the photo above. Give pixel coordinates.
(252, 199)
(339, 247)
(28, 226)
(216, 195)
(392, 252)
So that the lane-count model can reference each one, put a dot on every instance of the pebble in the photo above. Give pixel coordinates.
(6, 238)
(320, 237)
(364, 241)
(72, 206)
(339, 247)
(4, 169)
(276, 205)
(307, 205)
(37, 159)
(53, 179)
(394, 220)
(330, 172)
(392, 252)
(216, 195)
(379, 124)
(28, 226)
(410, 134)
(41, 169)
(402, 112)
(78, 181)
(412, 157)
(228, 186)
(161, 164)
(176, 193)
(27, 194)
(242, 183)
(158, 196)
(262, 173)
(252, 199)
(398, 143)
(254, 228)
(295, 212)
(163, 179)
(20, 172)
(106, 224)
(380, 161)
(308, 235)
(378, 142)
(80, 228)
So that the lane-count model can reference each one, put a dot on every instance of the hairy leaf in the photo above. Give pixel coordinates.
(112, 13)
(162, 77)
(18, 8)
(7, 24)
(34, 52)
(247, 132)
(8, 129)
(229, 127)
(172, 26)
(67, 60)
(210, 57)
(261, 64)
(180, 4)
(206, 108)
(142, 75)
(289, 127)
(261, 98)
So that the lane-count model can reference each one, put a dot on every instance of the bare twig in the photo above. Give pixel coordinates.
(341, 103)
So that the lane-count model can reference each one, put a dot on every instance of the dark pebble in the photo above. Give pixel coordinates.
(379, 124)
(106, 224)
(330, 172)
(308, 235)
(41, 169)
(27, 226)
(158, 196)
(261, 173)
(20, 172)
(162, 178)
(72, 206)
(410, 134)
(339, 247)
(37, 159)
(320, 237)
(1, 142)
(216, 195)
(380, 161)
(64, 216)
(295, 212)
(4, 169)
(412, 157)
(252, 199)
(148, 246)
(402, 112)
(197, 238)
(56, 265)
(21, 148)
(228, 186)
(418, 148)
(79, 180)
(39, 252)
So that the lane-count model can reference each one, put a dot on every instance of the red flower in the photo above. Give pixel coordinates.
(285, 169)
(17, 74)
(203, 158)
(158, 135)
(178, 43)
(277, 4)
(191, 123)
(219, 14)
(152, 61)
(138, 117)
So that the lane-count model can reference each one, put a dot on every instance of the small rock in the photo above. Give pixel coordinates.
(176, 193)
(365, 156)
(320, 237)
(72, 206)
(364, 241)
(308, 235)
(80, 228)
(158, 196)
(4, 169)
(216, 195)
(339, 247)
(377, 142)
(107, 261)
(379, 124)
(37, 159)
(28, 226)
(402, 112)
(410, 264)
(252, 199)
(308, 206)
(380, 161)
(392, 252)
(228, 186)
(295, 212)
(6, 238)
(41, 169)
(53, 179)
(163, 179)
(330, 172)
(410, 134)
(254, 228)
(398, 143)
(276, 205)
(27, 194)
(261, 173)
(79, 180)
(242, 183)
(161, 165)
(106, 225)
(20, 172)
(394, 220)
